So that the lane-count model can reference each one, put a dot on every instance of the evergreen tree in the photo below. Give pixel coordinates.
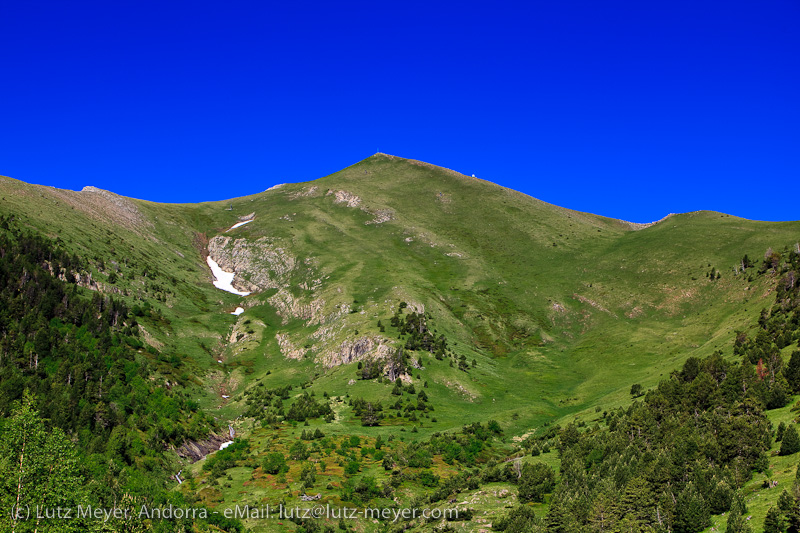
(535, 480)
(737, 521)
(604, 514)
(779, 432)
(638, 503)
(557, 518)
(792, 372)
(773, 522)
(791, 441)
(369, 418)
(692, 513)
(521, 519)
(788, 509)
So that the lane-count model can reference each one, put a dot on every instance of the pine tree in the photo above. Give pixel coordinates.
(779, 433)
(557, 520)
(692, 513)
(791, 441)
(789, 508)
(369, 418)
(535, 480)
(522, 519)
(773, 522)
(604, 514)
(737, 521)
(792, 371)
(637, 506)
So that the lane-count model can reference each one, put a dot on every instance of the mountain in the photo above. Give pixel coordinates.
(502, 309)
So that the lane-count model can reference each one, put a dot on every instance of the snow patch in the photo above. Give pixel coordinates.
(223, 280)
(239, 224)
(239, 311)
(225, 444)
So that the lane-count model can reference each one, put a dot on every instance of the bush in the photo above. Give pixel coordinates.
(537, 479)
(274, 463)
(352, 468)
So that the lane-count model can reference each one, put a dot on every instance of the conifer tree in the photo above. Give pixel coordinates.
(737, 521)
(369, 418)
(791, 441)
(779, 432)
(692, 513)
(638, 503)
(535, 480)
(604, 514)
(792, 371)
(773, 522)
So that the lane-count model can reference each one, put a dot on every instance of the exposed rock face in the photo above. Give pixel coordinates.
(638, 226)
(416, 307)
(351, 200)
(194, 451)
(351, 351)
(82, 279)
(259, 264)
(288, 349)
(305, 192)
(287, 306)
(356, 350)
(344, 197)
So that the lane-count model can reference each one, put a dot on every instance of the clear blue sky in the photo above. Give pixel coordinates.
(630, 109)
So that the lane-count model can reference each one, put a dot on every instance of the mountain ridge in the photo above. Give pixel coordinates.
(389, 157)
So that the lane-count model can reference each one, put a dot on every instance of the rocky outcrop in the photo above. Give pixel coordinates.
(288, 307)
(259, 264)
(196, 450)
(81, 279)
(380, 216)
(344, 197)
(288, 349)
(639, 226)
(356, 350)
(304, 193)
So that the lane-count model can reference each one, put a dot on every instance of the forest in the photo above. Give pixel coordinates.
(88, 412)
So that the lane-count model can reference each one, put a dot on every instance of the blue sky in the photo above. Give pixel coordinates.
(621, 108)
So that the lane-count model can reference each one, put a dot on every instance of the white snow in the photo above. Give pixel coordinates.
(223, 280)
(225, 444)
(239, 224)
(239, 311)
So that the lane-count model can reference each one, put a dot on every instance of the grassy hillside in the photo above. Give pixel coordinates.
(552, 314)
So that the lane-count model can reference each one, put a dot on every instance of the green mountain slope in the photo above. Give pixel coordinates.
(548, 314)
